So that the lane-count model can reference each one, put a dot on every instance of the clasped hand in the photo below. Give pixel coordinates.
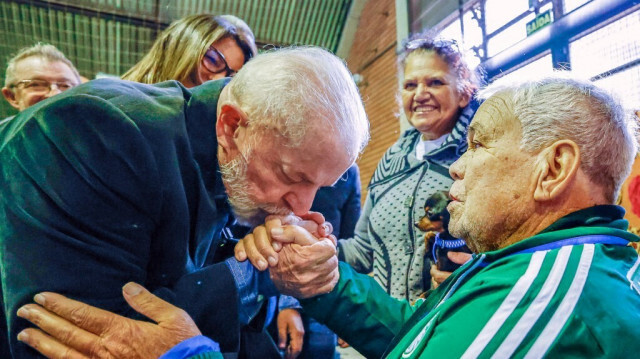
(299, 252)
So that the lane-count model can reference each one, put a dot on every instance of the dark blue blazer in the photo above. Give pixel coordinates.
(110, 182)
(340, 203)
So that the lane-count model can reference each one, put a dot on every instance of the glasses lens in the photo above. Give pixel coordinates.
(37, 85)
(213, 61)
(64, 86)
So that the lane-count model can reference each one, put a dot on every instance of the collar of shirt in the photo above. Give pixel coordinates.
(426, 146)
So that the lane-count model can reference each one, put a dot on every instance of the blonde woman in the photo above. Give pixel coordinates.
(196, 49)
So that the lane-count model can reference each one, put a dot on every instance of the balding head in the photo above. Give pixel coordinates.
(289, 122)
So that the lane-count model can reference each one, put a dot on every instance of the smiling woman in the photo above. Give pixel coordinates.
(436, 97)
(430, 94)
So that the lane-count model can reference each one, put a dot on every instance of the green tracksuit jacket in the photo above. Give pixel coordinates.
(556, 294)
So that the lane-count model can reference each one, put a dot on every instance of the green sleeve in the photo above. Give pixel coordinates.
(360, 312)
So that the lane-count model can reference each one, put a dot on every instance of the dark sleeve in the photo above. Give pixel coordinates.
(80, 196)
(350, 212)
(196, 347)
(360, 312)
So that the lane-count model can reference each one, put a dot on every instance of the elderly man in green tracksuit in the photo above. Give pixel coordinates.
(534, 196)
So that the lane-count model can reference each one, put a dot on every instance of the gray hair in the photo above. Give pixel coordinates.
(428, 41)
(44, 51)
(561, 106)
(296, 89)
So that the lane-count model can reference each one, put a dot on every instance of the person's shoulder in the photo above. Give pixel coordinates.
(108, 88)
(609, 297)
(614, 270)
(351, 177)
(141, 103)
(354, 170)
(208, 92)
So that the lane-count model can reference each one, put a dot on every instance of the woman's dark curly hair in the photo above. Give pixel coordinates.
(448, 50)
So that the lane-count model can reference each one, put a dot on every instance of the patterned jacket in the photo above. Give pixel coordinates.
(386, 242)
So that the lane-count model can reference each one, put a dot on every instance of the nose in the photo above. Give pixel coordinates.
(457, 168)
(301, 199)
(422, 91)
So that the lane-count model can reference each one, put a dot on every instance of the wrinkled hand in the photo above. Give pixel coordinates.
(259, 246)
(438, 276)
(77, 330)
(290, 327)
(307, 266)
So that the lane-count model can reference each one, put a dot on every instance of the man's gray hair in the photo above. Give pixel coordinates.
(301, 89)
(41, 50)
(561, 106)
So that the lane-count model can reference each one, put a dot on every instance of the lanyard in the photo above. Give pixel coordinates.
(573, 241)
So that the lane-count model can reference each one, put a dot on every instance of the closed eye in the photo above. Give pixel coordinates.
(284, 178)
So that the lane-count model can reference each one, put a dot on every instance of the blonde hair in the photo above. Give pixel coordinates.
(176, 53)
(42, 50)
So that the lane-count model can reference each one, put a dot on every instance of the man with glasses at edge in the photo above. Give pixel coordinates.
(36, 73)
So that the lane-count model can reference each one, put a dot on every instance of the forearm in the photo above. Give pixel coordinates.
(360, 312)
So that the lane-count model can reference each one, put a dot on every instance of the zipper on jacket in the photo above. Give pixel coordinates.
(410, 244)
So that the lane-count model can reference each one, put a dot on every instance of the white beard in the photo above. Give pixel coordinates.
(246, 210)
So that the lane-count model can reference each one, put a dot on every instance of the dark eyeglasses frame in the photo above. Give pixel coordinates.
(226, 69)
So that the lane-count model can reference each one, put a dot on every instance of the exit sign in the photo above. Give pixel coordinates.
(539, 22)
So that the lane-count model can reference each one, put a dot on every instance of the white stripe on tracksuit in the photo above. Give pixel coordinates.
(506, 308)
(560, 317)
(536, 308)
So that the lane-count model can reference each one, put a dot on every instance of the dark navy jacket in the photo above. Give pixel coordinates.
(111, 182)
(340, 203)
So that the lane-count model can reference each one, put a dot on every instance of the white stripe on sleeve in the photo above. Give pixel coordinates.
(560, 317)
(537, 307)
(506, 308)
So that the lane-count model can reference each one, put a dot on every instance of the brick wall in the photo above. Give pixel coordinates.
(373, 56)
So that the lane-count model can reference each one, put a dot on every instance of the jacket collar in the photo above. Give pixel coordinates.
(400, 158)
(201, 114)
(607, 220)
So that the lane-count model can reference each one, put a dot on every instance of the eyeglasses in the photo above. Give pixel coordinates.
(43, 86)
(215, 62)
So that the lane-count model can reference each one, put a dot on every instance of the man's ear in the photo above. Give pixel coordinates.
(11, 97)
(230, 126)
(557, 169)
